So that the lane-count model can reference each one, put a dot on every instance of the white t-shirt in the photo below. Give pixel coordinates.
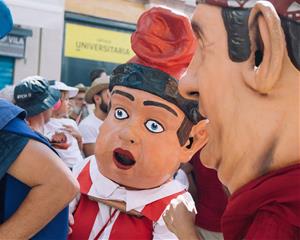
(89, 128)
(72, 155)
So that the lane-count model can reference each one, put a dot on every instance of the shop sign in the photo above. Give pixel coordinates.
(97, 44)
(13, 46)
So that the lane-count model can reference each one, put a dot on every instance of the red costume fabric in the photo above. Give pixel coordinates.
(266, 208)
(212, 199)
(124, 226)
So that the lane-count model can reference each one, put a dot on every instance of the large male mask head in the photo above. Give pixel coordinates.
(151, 128)
(245, 74)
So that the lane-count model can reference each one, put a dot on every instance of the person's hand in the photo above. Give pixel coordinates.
(179, 217)
(63, 146)
(59, 140)
(74, 132)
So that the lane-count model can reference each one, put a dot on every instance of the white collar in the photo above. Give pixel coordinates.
(104, 188)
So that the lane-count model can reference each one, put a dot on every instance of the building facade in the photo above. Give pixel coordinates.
(66, 39)
(97, 34)
(38, 33)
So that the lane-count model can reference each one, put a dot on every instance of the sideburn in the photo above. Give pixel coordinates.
(184, 131)
(236, 24)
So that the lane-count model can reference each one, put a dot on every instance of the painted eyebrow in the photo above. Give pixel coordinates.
(125, 94)
(158, 104)
(197, 29)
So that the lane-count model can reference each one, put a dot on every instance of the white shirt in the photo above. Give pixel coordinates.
(89, 128)
(72, 155)
(104, 188)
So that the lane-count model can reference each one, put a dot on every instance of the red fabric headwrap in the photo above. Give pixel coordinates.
(163, 40)
(286, 8)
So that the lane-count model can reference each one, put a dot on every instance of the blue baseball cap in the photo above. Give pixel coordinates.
(6, 22)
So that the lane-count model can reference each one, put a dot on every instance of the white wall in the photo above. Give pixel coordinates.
(37, 13)
(28, 65)
(51, 53)
(44, 48)
(184, 6)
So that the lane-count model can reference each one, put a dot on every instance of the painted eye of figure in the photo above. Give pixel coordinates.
(154, 126)
(121, 114)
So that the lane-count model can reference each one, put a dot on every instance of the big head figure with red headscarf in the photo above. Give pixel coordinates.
(149, 131)
(151, 128)
(245, 75)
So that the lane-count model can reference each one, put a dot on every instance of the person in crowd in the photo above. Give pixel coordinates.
(98, 95)
(63, 132)
(149, 131)
(35, 95)
(252, 103)
(79, 109)
(97, 73)
(35, 186)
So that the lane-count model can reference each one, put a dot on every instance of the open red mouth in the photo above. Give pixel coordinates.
(123, 159)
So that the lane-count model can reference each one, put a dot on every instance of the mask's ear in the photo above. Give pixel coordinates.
(267, 39)
(197, 139)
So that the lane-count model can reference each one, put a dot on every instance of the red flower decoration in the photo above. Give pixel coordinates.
(163, 40)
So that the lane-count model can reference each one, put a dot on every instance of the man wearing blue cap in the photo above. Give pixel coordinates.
(35, 95)
(34, 183)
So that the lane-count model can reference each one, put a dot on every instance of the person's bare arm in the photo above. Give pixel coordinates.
(53, 187)
(88, 149)
(180, 220)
